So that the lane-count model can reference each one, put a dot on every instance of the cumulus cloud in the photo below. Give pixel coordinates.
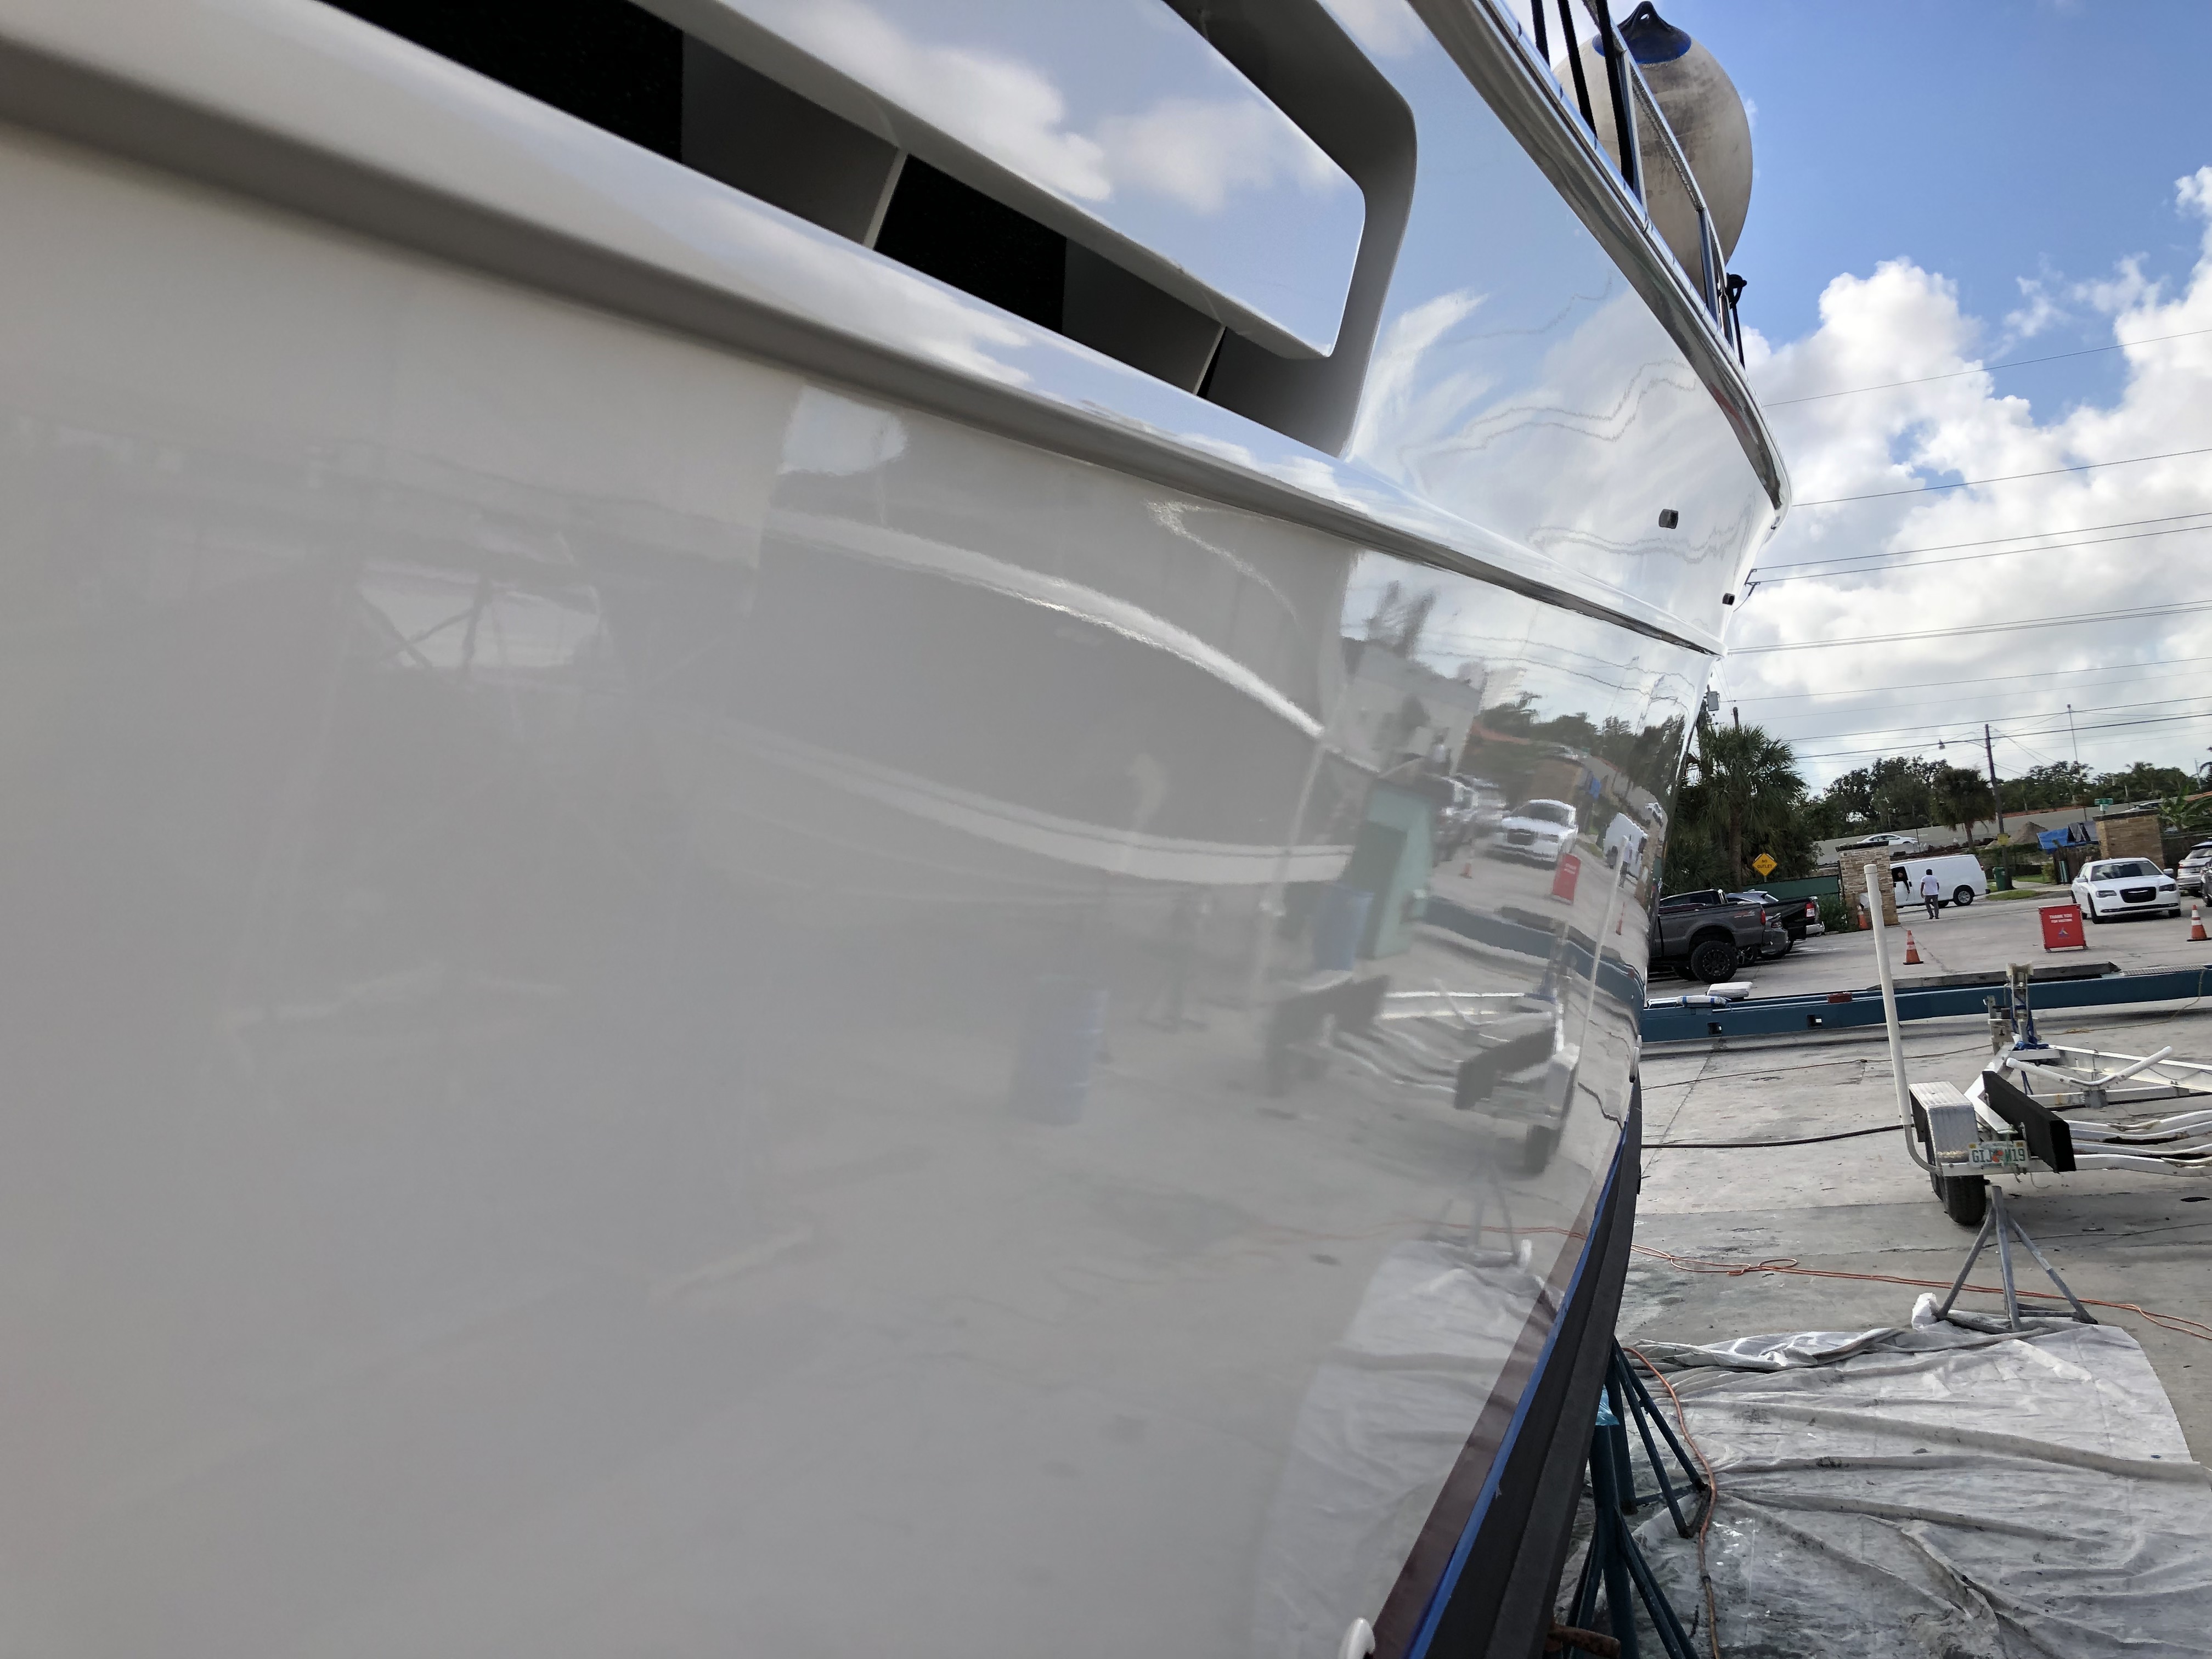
(2038, 310)
(1940, 418)
(2126, 289)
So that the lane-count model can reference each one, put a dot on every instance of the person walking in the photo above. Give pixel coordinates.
(1931, 894)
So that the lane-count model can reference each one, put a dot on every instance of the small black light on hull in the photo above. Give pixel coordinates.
(1669, 518)
(1728, 599)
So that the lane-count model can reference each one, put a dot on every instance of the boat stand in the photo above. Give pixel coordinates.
(1613, 1563)
(2000, 1224)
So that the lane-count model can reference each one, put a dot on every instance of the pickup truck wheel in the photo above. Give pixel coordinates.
(1965, 1199)
(1712, 960)
(1963, 897)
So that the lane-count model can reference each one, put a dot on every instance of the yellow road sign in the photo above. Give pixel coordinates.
(1763, 864)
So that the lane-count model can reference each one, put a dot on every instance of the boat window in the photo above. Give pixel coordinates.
(754, 121)
(606, 61)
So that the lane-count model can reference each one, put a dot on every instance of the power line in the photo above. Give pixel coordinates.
(1978, 680)
(1992, 541)
(2101, 725)
(1984, 369)
(1977, 720)
(2129, 615)
(2010, 477)
(1862, 563)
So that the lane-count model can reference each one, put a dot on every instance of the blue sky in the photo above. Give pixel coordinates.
(1940, 186)
(1987, 142)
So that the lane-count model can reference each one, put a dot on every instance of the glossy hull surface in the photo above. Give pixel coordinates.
(658, 1005)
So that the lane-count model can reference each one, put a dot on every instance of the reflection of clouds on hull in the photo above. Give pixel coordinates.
(743, 787)
(1382, 1426)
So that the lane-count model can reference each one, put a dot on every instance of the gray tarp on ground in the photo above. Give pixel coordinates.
(1899, 1494)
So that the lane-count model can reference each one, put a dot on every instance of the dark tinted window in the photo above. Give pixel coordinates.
(603, 61)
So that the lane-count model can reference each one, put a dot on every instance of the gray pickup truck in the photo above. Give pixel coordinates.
(1707, 935)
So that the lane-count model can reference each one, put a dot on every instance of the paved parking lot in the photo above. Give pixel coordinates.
(1985, 936)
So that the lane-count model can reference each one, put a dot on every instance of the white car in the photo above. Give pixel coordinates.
(1538, 831)
(2122, 887)
(1896, 840)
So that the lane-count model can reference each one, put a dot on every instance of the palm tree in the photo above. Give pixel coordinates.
(1747, 794)
(2186, 813)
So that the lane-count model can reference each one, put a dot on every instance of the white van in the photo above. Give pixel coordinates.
(1960, 872)
(1624, 841)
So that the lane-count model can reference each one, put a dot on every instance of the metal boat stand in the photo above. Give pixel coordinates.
(1998, 1224)
(1614, 1562)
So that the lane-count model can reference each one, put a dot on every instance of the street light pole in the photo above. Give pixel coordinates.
(2076, 736)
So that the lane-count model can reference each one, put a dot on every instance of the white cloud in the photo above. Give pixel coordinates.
(1903, 323)
(2039, 312)
(2126, 289)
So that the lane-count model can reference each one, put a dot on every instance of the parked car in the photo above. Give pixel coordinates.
(1472, 813)
(2124, 887)
(1798, 916)
(2195, 870)
(1963, 877)
(1538, 831)
(1490, 802)
(1707, 934)
(1896, 840)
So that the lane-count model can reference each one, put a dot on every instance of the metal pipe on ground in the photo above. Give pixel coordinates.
(1889, 1020)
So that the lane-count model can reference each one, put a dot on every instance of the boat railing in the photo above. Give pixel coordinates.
(1716, 286)
(1632, 107)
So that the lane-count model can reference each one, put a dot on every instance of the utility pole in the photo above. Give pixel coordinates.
(2076, 736)
(1989, 750)
(1738, 712)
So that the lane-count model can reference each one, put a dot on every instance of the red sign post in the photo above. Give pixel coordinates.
(2062, 927)
(1564, 877)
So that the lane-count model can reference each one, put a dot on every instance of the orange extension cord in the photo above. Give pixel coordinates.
(1713, 1501)
(2177, 1323)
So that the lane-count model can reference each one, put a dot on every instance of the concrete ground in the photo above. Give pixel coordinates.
(1864, 1206)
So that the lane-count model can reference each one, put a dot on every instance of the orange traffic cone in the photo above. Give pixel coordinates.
(2196, 933)
(1911, 951)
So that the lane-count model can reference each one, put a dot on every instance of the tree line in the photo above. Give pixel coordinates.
(1742, 795)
